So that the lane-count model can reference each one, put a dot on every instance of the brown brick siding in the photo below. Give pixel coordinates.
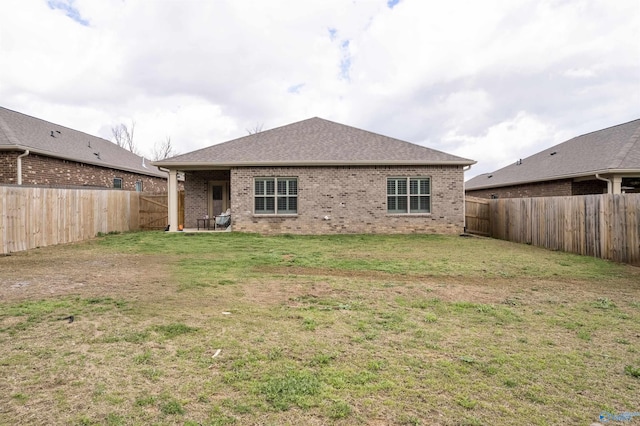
(8, 172)
(552, 188)
(588, 187)
(354, 199)
(49, 171)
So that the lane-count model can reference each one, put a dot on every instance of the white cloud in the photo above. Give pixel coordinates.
(505, 143)
(453, 75)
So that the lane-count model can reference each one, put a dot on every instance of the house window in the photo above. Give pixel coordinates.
(409, 195)
(117, 183)
(276, 196)
(139, 186)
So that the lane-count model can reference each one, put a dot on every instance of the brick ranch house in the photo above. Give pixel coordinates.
(321, 177)
(37, 152)
(604, 161)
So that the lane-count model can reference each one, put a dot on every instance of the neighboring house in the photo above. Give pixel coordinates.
(605, 161)
(37, 152)
(320, 177)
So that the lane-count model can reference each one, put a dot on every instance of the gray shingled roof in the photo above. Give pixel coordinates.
(20, 131)
(612, 150)
(314, 141)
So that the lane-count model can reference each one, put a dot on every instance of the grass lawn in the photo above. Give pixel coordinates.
(229, 328)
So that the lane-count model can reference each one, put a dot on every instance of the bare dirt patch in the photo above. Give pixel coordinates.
(67, 271)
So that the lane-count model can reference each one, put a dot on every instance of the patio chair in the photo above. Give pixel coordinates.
(223, 220)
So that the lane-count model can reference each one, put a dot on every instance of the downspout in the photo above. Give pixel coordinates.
(609, 183)
(19, 165)
(464, 199)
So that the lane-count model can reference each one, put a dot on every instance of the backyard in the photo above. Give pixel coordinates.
(229, 328)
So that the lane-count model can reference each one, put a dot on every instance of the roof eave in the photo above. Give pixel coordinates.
(200, 165)
(159, 174)
(560, 177)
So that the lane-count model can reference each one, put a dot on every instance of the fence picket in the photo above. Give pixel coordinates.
(605, 226)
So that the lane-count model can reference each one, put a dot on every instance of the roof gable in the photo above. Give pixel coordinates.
(20, 131)
(615, 148)
(314, 141)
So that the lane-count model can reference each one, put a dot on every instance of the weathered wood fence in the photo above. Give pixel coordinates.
(154, 210)
(476, 214)
(605, 226)
(37, 217)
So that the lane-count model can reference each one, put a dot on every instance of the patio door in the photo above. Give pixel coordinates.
(218, 197)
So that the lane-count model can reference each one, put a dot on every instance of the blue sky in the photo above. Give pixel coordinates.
(493, 81)
(69, 9)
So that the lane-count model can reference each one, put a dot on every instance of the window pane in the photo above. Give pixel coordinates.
(414, 203)
(270, 187)
(391, 186)
(282, 204)
(293, 187)
(217, 192)
(419, 204)
(282, 187)
(424, 204)
(259, 187)
(424, 186)
(287, 205)
(402, 204)
(402, 186)
(413, 186)
(270, 205)
(259, 204)
(391, 203)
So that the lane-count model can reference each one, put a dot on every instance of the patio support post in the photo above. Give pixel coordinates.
(617, 184)
(172, 184)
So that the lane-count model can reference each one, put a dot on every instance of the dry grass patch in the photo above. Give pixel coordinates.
(242, 329)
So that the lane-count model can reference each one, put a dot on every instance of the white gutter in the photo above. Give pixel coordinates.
(609, 183)
(205, 165)
(19, 165)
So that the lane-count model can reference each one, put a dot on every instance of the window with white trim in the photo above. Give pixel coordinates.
(139, 186)
(117, 183)
(276, 195)
(409, 195)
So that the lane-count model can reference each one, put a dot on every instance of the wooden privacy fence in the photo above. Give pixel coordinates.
(476, 215)
(154, 210)
(605, 226)
(38, 217)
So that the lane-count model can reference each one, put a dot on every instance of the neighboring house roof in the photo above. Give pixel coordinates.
(21, 132)
(313, 142)
(612, 150)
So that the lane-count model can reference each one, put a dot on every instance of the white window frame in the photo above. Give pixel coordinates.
(407, 195)
(118, 183)
(139, 186)
(281, 193)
